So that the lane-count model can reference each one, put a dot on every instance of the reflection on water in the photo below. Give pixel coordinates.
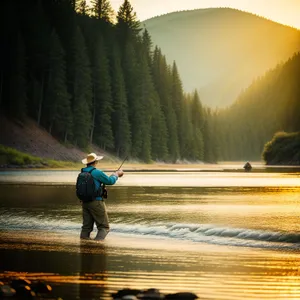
(175, 179)
(220, 242)
(213, 274)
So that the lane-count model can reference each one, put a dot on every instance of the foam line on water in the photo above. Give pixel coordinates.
(12, 221)
(199, 233)
(213, 234)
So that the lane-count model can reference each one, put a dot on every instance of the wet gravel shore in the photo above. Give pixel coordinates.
(22, 288)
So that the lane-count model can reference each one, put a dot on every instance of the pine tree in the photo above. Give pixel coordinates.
(197, 150)
(162, 78)
(103, 135)
(177, 103)
(132, 81)
(58, 115)
(102, 10)
(126, 15)
(209, 137)
(81, 89)
(8, 32)
(159, 133)
(38, 54)
(127, 26)
(17, 104)
(186, 129)
(157, 124)
(82, 8)
(146, 103)
(120, 120)
(147, 44)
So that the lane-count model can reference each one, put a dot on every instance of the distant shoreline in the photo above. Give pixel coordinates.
(152, 168)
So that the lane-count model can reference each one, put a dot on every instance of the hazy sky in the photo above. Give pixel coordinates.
(282, 11)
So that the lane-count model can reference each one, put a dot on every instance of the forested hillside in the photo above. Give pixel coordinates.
(89, 79)
(269, 105)
(220, 51)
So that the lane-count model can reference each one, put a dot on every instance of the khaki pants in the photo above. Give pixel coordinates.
(94, 212)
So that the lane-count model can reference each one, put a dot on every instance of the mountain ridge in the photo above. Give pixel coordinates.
(221, 8)
(220, 51)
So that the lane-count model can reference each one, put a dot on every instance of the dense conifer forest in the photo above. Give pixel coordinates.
(89, 76)
(269, 105)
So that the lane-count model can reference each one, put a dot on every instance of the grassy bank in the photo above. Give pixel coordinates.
(11, 158)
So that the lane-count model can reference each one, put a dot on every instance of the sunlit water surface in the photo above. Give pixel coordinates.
(220, 235)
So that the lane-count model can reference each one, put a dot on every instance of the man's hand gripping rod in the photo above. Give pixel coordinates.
(104, 190)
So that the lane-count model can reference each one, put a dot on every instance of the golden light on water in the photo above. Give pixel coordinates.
(232, 235)
(277, 285)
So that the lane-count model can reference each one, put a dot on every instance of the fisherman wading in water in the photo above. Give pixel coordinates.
(90, 189)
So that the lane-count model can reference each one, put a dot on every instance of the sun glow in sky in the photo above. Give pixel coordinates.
(282, 11)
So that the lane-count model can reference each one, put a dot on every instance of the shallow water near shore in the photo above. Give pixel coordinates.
(221, 235)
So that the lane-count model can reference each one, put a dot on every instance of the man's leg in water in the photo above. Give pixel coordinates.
(98, 211)
(88, 221)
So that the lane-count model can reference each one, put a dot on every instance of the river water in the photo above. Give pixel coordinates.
(221, 235)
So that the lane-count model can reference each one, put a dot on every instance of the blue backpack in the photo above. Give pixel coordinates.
(85, 186)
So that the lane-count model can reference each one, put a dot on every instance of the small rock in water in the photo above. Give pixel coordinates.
(22, 288)
(7, 291)
(126, 292)
(151, 294)
(181, 296)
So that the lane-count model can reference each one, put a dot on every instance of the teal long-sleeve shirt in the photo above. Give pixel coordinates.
(101, 177)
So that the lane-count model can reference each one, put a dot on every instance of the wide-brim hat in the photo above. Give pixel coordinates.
(92, 157)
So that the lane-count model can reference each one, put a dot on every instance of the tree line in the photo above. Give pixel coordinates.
(89, 76)
(269, 105)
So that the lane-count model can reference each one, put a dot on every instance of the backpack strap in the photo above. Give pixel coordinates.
(101, 185)
(93, 176)
(92, 171)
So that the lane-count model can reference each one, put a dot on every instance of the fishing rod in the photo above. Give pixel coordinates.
(122, 163)
(104, 190)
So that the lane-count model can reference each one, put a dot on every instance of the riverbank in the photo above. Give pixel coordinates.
(133, 167)
(24, 146)
(27, 138)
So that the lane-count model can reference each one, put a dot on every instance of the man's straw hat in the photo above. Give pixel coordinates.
(91, 158)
